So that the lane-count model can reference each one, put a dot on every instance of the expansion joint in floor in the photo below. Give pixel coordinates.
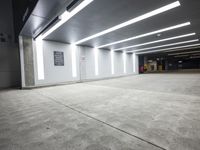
(105, 123)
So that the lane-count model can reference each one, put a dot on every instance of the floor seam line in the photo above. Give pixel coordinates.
(139, 90)
(121, 130)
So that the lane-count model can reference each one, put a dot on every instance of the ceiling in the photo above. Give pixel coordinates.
(103, 14)
(188, 54)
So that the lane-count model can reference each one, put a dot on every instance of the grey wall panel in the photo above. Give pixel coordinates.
(9, 53)
(129, 64)
(118, 63)
(104, 63)
(9, 66)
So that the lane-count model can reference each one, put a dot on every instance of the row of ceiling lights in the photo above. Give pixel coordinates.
(66, 16)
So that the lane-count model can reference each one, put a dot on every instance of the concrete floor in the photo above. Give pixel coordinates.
(144, 112)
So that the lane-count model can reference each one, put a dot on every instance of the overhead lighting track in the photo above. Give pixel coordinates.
(157, 41)
(73, 4)
(188, 48)
(173, 48)
(193, 52)
(47, 27)
(132, 21)
(166, 45)
(180, 56)
(148, 34)
(67, 15)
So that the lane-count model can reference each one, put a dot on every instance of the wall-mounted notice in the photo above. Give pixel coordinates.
(58, 58)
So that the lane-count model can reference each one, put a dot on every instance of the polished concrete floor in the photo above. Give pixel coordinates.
(142, 112)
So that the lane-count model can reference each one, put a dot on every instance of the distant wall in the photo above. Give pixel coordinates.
(9, 56)
(85, 60)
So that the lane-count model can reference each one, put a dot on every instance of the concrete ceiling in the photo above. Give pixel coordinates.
(43, 13)
(103, 14)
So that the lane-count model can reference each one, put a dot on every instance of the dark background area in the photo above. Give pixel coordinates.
(174, 63)
(20, 7)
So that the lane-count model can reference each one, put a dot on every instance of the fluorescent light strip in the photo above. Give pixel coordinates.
(167, 45)
(195, 47)
(66, 16)
(194, 57)
(147, 34)
(183, 53)
(132, 21)
(40, 59)
(173, 48)
(197, 54)
(181, 56)
(158, 41)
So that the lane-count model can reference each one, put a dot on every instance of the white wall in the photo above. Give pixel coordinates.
(104, 63)
(88, 53)
(57, 74)
(86, 64)
(118, 64)
(129, 64)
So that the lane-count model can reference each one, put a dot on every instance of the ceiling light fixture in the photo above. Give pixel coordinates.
(166, 45)
(66, 16)
(132, 21)
(158, 41)
(181, 56)
(193, 52)
(148, 34)
(173, 48)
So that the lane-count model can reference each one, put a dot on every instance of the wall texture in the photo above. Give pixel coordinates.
(9, 66)
(84, 60)
(57, 74)
(9, 55)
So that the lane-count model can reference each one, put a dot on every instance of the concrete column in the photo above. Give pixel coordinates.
(27, 61)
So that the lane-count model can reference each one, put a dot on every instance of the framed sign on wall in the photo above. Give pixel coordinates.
(58, 58)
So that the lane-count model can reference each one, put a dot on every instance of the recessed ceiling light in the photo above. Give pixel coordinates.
(66, 16)
(148, 34)
(173, 48)
(158, 41)
(132, 21)
(167, 45)
(158, 35)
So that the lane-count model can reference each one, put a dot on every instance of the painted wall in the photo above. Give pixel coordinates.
(57, 74)
(104, 63)
(129, 64)
(118, 64)
(86, 64)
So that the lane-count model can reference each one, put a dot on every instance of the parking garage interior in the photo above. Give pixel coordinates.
(171, 61)
(99, 75)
